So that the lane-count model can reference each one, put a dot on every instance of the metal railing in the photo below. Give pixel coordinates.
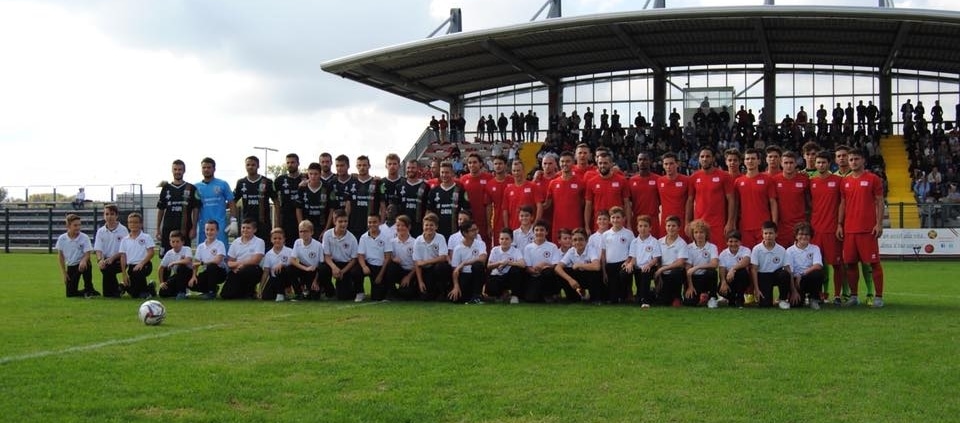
(420, 146)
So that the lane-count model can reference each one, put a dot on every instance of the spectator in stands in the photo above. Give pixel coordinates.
(79, 199)
(502, 126)
(491, 128)
(481, 128)
(443, 126)
(435, 127)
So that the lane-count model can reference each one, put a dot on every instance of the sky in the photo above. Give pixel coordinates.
(100, 93)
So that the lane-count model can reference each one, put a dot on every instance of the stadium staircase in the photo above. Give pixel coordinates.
(528, 154)
(897, 162)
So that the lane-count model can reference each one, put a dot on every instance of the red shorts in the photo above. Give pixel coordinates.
(830, 247)
(751, 237)
(861, 247)
(785, 237)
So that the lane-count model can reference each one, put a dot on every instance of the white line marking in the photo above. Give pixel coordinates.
(99, 345)
(914, 294)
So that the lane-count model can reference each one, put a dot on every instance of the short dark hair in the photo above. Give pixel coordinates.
(254, 158)
(206, 160)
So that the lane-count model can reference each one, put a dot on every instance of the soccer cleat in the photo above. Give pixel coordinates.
(704, 298)
(209, 296)
(877, 302)
(837, 302)
(784, 305)
(644, 305)
(749, 299)
(712, 303)
(814, 304)
(676, 302)
(852, 302)
(360, 297)
(181, 295)
(281, 298)
(514, 299)
(91, 293)
(722, 301)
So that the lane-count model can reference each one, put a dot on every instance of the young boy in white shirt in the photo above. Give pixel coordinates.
(673, 261)
(243, 264)
(430, 255)
(278, 271)
(579, 270)
(373, 253)
(614, 255)
(106, 245)
(340, 256)
(524, 234)
(643, 260)
(400, 273)
(211, 256)
(505, 267)
(540, 258)
(136, 253)
(769, 268)
(702, 263)
(312, 277)
(468, 259)
(734, 270)
(73, 255)
(806, 263)
(176, 267)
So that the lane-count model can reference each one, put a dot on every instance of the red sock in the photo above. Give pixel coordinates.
(877, 278)
(853, 277)
(837, 280)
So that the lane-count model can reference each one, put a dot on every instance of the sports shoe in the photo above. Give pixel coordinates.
(712, 303)
(209, 296)
(784, 305)
(722, 301)
(476, 300)
(704, 298)
(91, 293)
(676, 302)
(877, 302)
(644, 305)
(852, 302)
(814, 304)
(360, 297)
(837, 302)
(514, 299)
(749, 299)
(281, 298)
(181, 295)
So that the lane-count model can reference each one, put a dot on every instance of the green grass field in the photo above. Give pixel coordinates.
(92, 360)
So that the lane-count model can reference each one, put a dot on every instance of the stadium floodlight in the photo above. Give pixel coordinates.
(266, 164)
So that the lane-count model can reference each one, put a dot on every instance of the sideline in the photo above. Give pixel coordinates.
(89, 347)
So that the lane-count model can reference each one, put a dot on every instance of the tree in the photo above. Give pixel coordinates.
(3, 194)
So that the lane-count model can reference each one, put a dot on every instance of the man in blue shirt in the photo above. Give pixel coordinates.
(215, 197)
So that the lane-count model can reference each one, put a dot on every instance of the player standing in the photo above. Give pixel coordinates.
(861, 225)
(255, 192)
(175, 208)
(215, 200)
(287, 189)
(757, 197)
(713, 196)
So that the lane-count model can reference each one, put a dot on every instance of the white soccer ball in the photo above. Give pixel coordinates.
(152, 312)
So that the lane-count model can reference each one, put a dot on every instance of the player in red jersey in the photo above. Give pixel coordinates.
(565, 196)
(674, 189)
(475, 184)
(495, 187)
(604, 191)
(757, 199)
(843, 169)
(861, 225)
(793, 197)
(549, 171)
(518, 194)
(774, 154)
(733, 159)
(825, 202)
(582, 159)
(713, 196)
(644, 195)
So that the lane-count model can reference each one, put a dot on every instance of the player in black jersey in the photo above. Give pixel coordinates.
(316, 200)
(340, 182)
(257, 192)
(447, 199)
(326, 160)
(412, 194)
(177, 208)
(287, 189)
(390, 186)
(364, 197)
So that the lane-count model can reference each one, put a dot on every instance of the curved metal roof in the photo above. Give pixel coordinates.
(445, 67)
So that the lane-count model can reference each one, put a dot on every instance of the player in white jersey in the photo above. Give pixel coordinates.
(373, 253)
(579, 269)
(136, 253)
(702, 262)
(734, 270)
(643, 259)
(243, 264)
(595, 239)
(430, 260)
(614, 255)
(400, 269)
(456, 238)
(468, 260)
(806, 263)
(524, 234)
(106, 245)
(673, 261)
(769, 268)
(73, 254)
(340, 256)
(278, 271)
(505, 267)
(176, 267)
(312, 276)
(211, 256)
(540, 258)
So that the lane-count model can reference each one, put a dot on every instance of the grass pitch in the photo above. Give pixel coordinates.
(91, 360)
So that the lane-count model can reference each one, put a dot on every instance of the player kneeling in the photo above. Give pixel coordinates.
(581, 263)
(806, 263)
(702, 263)
(176, 268)
(400, 268)
(468, 261)
(243, 264)
(210, 256)
(505, 269)
(670, 275)
(340, 256)
(770, 269)
(734, 273)
(278, 270)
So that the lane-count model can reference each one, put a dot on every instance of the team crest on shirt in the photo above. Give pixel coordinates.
(648, 249)
(810, 256)
(623, 240)
(409, 250)
(142, 241)
(716, 179)
(312, 254)
(213, 251)
(776, 260)
(283, 259)
(705, 254)
(864, 183)
(476, 252)
(574, 186)
(119, 238)
(437, 197)
(380, 243)
(345, 245)
(546, 254)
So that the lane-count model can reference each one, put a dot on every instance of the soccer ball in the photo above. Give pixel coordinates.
(152, 312)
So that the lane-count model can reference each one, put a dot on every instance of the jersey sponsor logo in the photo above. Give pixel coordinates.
(678, 184)
(483, 182)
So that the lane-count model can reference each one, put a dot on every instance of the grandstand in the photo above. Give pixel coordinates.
(771, 60)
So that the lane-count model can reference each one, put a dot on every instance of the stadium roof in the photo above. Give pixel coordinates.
(445, 67)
